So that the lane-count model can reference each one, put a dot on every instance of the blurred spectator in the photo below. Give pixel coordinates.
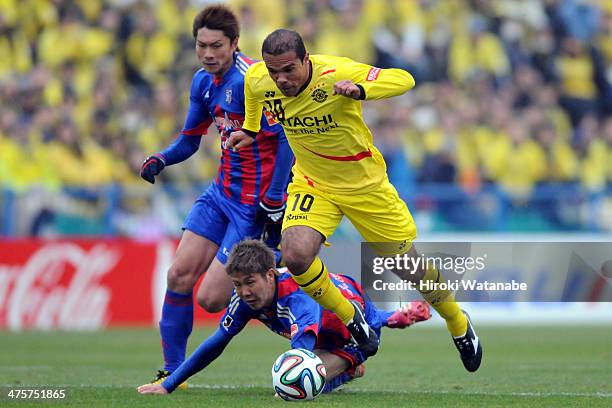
(510, 93)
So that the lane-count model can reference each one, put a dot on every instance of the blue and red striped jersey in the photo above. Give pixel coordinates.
(251, 173)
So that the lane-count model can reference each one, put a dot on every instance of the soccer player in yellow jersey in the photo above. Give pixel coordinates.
(338, 172)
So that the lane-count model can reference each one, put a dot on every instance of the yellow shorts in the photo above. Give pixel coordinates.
(380, 215)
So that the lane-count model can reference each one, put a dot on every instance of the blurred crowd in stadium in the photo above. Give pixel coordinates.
(510, 93)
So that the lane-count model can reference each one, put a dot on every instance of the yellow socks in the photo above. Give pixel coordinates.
(317, 284)
(445, 304)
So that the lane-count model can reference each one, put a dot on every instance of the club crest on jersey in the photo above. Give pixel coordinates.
(228, 95)
(319, 95)
(227, 322)
(269, 94)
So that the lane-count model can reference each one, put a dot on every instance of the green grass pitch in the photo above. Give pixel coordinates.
(416, 367)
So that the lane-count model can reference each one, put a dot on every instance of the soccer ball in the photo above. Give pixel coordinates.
(298, 375)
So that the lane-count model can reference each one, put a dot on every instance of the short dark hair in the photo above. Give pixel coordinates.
(250, 256)
(217, 17)
(283, 40)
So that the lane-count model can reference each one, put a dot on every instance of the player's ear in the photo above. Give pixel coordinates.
(270, 274)
(234, 44)
(306, 58)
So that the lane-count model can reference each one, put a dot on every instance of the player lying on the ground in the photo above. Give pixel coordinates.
(263, 293)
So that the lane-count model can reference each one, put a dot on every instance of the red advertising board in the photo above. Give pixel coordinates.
(83, 284)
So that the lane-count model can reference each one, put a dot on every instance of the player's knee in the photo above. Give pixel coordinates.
(299, 248)
(296, 259)
(211, 303)
(181, 279)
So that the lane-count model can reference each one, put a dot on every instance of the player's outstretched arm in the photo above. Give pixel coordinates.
(205, 354)
(375, 83)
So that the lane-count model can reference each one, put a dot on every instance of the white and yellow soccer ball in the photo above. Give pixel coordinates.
(298, 375)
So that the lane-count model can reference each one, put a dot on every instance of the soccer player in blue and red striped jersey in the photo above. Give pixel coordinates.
(247, 194)
(274, 298)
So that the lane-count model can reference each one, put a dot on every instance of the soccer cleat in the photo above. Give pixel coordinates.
(162, 375)
(407, 315)
(363, 336)
(469, 347)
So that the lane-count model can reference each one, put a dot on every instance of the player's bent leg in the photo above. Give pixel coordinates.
(339, 370)
(215, 290)
(300, 245)
(384, 220)
(334, 364)
(193, 256)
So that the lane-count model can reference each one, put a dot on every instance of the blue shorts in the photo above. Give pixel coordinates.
(223, 221)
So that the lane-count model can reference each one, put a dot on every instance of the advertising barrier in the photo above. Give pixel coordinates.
(83, 284)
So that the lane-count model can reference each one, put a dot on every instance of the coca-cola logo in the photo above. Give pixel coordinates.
(58, 287)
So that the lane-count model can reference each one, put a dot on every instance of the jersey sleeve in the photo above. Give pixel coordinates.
(205, 354)
(252, 107)
(282, 171)
(196, 124)
(236, 316)
(307, 314)
(198, 118)
(377, 83)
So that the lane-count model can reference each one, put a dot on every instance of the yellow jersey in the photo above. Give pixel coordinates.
(332, 145)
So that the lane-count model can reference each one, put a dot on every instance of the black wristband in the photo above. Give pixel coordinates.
(362, 94)
(250, 133)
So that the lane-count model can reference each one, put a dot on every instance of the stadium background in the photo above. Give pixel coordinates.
(507, 136)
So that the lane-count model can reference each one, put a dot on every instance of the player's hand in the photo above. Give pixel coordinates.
(152, 389)
(270, 213)
(238, 140)
(151, 167)
(347, 88)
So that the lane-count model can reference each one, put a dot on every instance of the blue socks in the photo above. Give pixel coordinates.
(336, 382)
(175, 327)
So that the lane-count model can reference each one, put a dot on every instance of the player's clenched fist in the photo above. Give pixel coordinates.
(238, 140)
(151, 167)
(347, 88)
